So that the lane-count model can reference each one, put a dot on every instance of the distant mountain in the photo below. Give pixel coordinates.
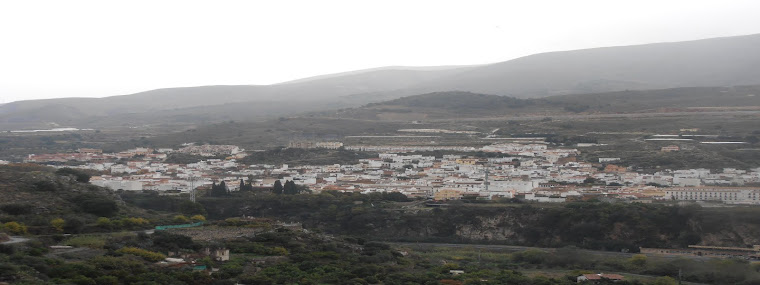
(458, 68)
(187, 104)
(459, 104)
(731, 61)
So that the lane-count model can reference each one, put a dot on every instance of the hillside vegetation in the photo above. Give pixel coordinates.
(591, 225)
(34, 196)
(457, 104)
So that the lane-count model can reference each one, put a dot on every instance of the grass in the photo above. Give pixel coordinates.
(87, 241)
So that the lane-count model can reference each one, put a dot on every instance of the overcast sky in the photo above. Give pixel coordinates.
(101, 48)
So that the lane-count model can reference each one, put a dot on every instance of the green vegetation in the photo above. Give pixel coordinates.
(299, 156)
(86, 241)
(144, 254)
(341, 245)
(42, 200)
(184, 158)
(569, 262)
(591, 225)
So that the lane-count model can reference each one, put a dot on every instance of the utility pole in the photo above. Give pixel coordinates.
(486, 170)
(192, 188)
(679, 276)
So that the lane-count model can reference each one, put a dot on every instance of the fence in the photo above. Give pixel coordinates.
(161, 228)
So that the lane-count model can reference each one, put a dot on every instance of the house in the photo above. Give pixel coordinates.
(456, 272)
(447, 194)
(218, 254)
(596, 278)
(611, 168)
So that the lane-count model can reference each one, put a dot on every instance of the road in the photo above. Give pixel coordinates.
(15, 240)
(505, 247)
(521, 248)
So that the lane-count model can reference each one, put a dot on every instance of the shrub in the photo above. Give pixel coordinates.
(15, 228)
(180, 219)
(172, 242)
(144, 254)
(58, 224)
(278, 250)
(130, 222)
(86, 241)
(73, 225)
(104, 222)
(96, 205)
(45, 186)
(17, 209)
(80, 175)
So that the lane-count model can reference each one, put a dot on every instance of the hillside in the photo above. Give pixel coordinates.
(712, 62)
(456, 104)
(212, 103)
(35, 195)
(728, 61)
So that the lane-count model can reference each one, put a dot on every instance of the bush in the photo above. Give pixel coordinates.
(17, 209)
(172, 242)
(191, 208)
(58, 224)
(86, 241)
(80, 175)
(104, 222)
(15, 228)
(73, 225)
(96, 205)
(180, 219)
(132, 222)
(45, 186)
(144, 254)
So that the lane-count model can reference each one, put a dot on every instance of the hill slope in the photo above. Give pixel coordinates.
(713, 62)
(458, 104)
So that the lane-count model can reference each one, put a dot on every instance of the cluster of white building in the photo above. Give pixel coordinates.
(526, 170)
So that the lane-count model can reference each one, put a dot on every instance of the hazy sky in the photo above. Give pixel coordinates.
(101, 48)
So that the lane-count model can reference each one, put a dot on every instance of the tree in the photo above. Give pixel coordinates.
(218, 190)
(191, 208)
(277, 189)
(73, 225)
(58, 224)
(222, 189)
(80, 175)
(97, 205)
(290, 188)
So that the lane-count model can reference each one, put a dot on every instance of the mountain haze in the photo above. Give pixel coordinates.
(713, 62)
(728, 61)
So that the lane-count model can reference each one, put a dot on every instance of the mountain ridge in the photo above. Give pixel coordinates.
(727, 61)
